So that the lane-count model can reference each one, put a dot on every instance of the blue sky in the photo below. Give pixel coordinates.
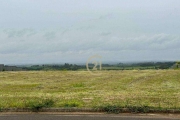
(58, 31)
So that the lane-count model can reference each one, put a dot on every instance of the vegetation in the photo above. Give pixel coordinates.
(177, 65)
(120, 66)
(137, 90)
(36, 105)
(64, 67)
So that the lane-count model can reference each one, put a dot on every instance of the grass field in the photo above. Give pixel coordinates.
(158, 89)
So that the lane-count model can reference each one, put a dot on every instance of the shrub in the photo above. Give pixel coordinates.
(36, 105)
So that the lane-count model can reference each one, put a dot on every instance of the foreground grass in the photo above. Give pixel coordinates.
(158, 89)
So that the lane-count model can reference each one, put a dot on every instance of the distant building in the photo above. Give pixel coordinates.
(1, 67)
(9, 68)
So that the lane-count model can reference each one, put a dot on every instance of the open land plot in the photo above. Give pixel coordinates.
(159, 89)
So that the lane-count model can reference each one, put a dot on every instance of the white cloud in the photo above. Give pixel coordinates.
(47, 44)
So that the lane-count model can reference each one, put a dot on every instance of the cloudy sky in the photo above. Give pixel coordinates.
(58, 31)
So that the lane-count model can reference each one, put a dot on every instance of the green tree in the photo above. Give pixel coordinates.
(177, 64)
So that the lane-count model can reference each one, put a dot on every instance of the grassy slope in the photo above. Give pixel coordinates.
(153, 88)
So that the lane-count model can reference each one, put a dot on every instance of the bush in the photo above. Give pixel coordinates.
(118, 109)
(139, 109)
(36, 105)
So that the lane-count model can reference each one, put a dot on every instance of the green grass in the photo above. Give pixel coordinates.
(138, 90)
(70, 103)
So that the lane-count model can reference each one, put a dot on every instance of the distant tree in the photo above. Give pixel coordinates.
(177, 64)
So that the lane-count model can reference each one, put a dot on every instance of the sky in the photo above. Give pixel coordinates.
(71, 31)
